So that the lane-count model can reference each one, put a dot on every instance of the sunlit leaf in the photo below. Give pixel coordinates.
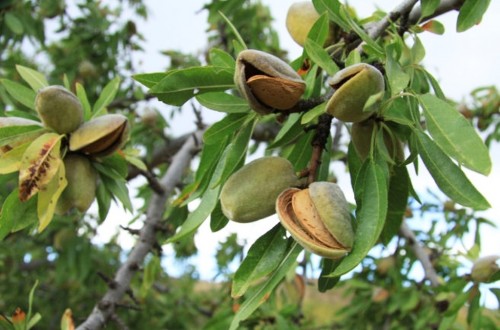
(20, 93)
(107, 95)
(218, 57)
(455, 135)
(48, 197)
(67, 322)
(370, 216)
(448, 176)
(35, 79)
(39, 164)
(178, 86)
(262, 258)
(223, 102)
(319, 56)
(253, 302)
(82, 96)
(11, 160)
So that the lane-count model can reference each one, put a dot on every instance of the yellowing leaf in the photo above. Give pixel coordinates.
(11, 160)
(67, 322)
(39, 164)
(48, 197)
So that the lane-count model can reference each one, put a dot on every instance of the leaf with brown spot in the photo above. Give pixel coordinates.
(39, 164)
(48, 197)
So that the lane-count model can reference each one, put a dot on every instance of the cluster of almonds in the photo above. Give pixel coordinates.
(317, 217)
(62, 112)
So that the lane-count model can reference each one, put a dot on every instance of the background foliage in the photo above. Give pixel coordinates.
(92, 45)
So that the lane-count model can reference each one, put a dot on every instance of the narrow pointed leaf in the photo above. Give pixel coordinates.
(399, 189)
(35, 79)
(179, 86)
(223, 128)
(370, 216)
(15, 135)
(107, 95)
(48, 197)
(455, 135)
(223, 102)
(253, 302)
(262, 258)
(82, 96)
(20, 93)
(319, 56)
(448, 176)
(39, 164)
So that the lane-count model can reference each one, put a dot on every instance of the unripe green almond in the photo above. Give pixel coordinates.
(100, 136)
(485, 268)
(59, 109)
(300, 18)
(267, 82)
(250, 193)
(81, 189)
(353, 87)
(361, 136)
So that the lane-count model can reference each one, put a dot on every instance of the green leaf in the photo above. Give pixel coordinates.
(11, 160)
(20, 93)
(14, 23)
(15, 135)
(253, 302)
(435, 85)
(332, 7)
(220, 58)
(235, 31)
(224, 128)
(35, 79)
(418, 50)
(455, 135)
(398, 79)
(471, 13)
(118, 188)
(319, 30)
(289, 132)
(48, 197)
(361, 32)
(428, 7)
(370, 216)
(263, 257)
(399, 184)
(150, 79)
(319, 56)
(39, 164)
(207, 204)
(103, 201)
(326, 282)
(301, 151)
(457, 303)
(150, 274)
(314, 113)
(16, 215)
(217, 219)
(107, 95)
(82, 96)
(30, 303)
(448, 176)
(236, 152)
(223, 102)
(178, 86)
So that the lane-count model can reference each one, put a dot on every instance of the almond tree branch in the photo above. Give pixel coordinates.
(420, 253)
(104, 310)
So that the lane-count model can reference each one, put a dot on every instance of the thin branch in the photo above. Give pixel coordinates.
(105, 308)
(422, 256)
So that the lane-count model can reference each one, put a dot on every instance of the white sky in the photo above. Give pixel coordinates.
(461, 62)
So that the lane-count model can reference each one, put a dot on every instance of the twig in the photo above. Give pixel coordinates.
(105, 308)
(420, 253)
(319, 142)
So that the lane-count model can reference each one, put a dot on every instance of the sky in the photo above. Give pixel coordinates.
(460, 62)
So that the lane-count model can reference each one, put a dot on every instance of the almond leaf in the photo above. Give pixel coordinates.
(39, 164)
(48, 197)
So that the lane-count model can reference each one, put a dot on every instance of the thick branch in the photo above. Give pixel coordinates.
(377, 29)
(420, 253)
(444, 7)
(105, 308)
